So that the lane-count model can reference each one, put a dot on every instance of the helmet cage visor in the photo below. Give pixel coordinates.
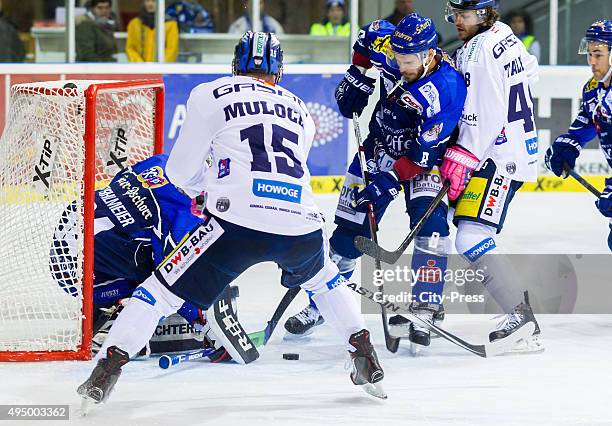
(468, 16)
(594, 44)
(405, 61)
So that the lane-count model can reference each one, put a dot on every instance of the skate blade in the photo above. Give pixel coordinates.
(85, 406)
(510, 342)
(415, 349)
(374, 389)
(291, 336)
(531, 345)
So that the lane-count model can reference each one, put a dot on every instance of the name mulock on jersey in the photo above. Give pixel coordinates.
(259, 136)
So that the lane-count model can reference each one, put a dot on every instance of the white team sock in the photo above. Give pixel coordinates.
(150, 302)
(340, 309)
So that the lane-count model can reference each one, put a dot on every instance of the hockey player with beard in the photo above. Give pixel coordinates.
(595, 115)
(258, 207)
(421, 98)
(496, 150)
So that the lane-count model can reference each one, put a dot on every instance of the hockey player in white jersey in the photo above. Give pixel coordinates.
(259, 207)
(496, 150)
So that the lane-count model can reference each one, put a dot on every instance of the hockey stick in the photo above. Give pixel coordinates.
(582, 181)
(372, 249)
(487, 350)
(391, 342)
(259, 338)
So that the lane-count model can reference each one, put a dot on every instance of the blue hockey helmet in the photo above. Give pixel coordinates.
(599, 32)
(409, 45)
(259, 53)
(414, 34)
(479, 6)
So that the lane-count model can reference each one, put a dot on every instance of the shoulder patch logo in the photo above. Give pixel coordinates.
(152, 178)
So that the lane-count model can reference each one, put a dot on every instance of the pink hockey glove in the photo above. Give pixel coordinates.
(198, 205)
(457, 167)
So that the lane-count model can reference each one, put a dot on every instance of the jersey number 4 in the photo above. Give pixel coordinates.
(261, 159)
(518, 108)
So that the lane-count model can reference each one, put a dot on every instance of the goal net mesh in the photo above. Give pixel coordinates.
(42, 205)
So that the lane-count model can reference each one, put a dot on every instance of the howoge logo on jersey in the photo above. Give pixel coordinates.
(188, 251)
(277, 190)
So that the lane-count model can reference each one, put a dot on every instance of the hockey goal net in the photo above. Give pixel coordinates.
(62, 140)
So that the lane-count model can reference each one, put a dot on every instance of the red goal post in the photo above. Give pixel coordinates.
(62, 139)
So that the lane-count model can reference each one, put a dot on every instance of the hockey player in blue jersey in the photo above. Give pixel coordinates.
(595, 115)
(258, 207)
(421, 99)
(131, 214)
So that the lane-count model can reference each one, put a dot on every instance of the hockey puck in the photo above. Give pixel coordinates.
(69, 86)
(291, 357)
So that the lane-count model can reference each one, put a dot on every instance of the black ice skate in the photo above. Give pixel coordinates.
(399, 326)
(510, 323)
(365, 368)
(304, 322)
(101, 382)
(419, 335)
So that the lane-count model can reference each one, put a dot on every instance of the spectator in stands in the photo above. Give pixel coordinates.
(522, 26)
(335, 24)
(243, 24)
(95, 41)
(402, 8)
(140, 44)
(191, 17)
(11, 46)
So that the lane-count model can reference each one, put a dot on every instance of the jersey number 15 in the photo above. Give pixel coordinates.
(261, 159)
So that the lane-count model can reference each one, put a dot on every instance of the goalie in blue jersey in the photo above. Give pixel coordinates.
(140, 217)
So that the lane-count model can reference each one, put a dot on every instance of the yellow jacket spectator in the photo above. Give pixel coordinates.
(335, 23)
(140, 44)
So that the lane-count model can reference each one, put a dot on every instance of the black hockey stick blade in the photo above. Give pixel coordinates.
(372, 249)
(261, 337)
(582, 181)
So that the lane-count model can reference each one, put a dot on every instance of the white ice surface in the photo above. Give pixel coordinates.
(568, 384)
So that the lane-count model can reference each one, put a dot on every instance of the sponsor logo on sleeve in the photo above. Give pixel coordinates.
(152, 178)
(432, 95)
(188, 251)
(277, 190)
(532, 146)
(432, 134)
(224, 168)
(501, 138)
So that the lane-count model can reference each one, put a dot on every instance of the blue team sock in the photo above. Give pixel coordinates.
(430, 270)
